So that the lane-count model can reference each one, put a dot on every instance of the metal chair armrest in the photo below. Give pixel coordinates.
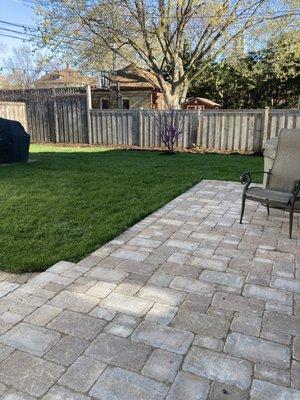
(246, 177)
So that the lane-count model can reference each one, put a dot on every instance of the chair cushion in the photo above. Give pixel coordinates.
(275, 196)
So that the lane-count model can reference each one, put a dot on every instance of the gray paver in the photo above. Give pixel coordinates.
(78, 302)
(60, 393)
(217, 366)
(82, 374)
(262, 390)
(201, 323)
(127, 304)
(187, 246)
(43, 315)
(274, 375)
(286, 284)
(247, 323)
(5, 351)
(222, 278)
(119, 384)
(128, 320)
(228, 301)
(31, 338)
(103, 313)
(137, 267)
(67, 350)
(192, 285)
(118, 329)
(258, 350)
(163, 337)
(266, 293)
(118, 351)
(295, 374)
(162, 365)
(162, 295)
(296, 348)
(131, 255)
(16, 395)
(161, 314)
(189, 387)
(75, 324)
(220, 391)
(100, 289)
(3, 388)
(106, 274)
(35, 375)
(275, 322)
(208, 342)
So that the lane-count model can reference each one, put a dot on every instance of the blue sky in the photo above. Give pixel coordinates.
(16, 12)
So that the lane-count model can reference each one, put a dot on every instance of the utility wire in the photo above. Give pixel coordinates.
(19, 25)
(15, 37)
(18, 32)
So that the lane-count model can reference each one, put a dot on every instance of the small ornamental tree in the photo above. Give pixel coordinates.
(168, 128)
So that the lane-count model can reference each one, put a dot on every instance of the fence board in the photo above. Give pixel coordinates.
(15, 111)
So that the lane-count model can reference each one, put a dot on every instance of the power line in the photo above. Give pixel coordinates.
(18, 32)
(19, 25)
(15, 37)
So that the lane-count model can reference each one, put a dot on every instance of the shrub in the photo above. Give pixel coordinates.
(168, 128)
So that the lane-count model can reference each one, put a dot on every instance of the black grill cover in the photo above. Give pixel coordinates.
(14, 142)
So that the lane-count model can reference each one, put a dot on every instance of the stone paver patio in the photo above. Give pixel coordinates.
(186, 305)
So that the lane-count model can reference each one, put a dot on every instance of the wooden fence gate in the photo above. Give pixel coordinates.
(53, 115)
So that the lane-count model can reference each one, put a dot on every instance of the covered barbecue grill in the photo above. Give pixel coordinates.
(14, 142)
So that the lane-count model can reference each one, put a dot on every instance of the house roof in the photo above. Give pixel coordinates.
(134, 77)
(203, 100)
(63, 77)
(129, 77)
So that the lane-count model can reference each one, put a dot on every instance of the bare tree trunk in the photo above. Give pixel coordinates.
(175, 97)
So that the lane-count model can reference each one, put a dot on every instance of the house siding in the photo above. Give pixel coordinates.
(137, 99)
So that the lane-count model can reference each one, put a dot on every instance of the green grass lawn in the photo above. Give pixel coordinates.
(72, 200)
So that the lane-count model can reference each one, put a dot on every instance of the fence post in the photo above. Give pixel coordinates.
(89, 107)
(266, 125)
(198, 141)
(136, 127)
(55, 115)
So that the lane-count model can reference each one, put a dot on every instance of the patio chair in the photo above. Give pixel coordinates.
(283, 180)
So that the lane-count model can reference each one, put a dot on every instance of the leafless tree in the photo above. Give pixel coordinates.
(170, 38)
(22, 67)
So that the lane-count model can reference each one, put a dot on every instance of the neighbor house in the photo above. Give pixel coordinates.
(138, 89)
(130, 87)
(200, 103)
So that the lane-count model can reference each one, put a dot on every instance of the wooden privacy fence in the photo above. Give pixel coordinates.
(64, 115)
(14, 110)
(242, 131)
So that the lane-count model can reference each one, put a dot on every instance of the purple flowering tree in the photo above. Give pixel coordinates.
(168, 125)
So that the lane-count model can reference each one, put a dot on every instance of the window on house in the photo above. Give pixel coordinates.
(104, 104)
(125, 104)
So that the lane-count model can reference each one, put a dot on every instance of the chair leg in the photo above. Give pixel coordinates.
(291, 222)
(268, 209)
(242, 208)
